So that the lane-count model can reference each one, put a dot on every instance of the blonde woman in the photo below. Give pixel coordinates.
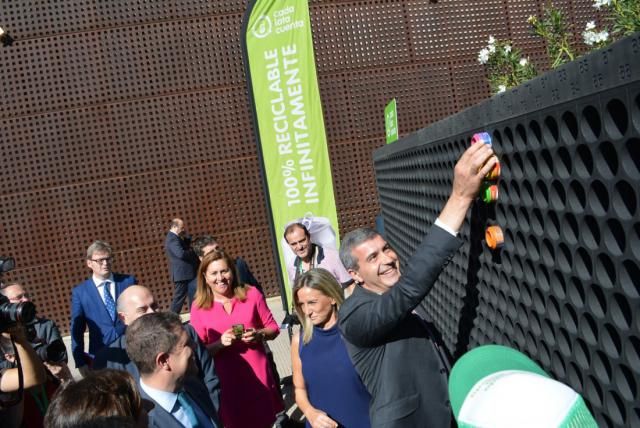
(327, 388)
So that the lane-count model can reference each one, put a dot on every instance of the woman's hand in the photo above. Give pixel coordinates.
(251, 335)
(319, 419)
(227, 338)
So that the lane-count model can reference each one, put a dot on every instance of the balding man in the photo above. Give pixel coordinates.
(183, 263)
(133, 303)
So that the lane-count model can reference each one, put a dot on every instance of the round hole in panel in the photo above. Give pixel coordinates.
(517, 167)
(565, 344)
(575, 293)
(548, 333)
(563, 163)
(501, 214)
(607, 160)
(537, 222)
(544, 355)
(598, 198)
(574, 377)
(523, 220)
(552, 225)
(515, 192)
(553, 309)
(508, 140)
(547, 253)
(545, 163)
(533, 249)
(601, 367)
(523, 316)
(520, 141)
(558, 363)
(559, 284)
(614, 237)
(634, 241)
(538, 301)
(631, 158)
(624, 200)
(541, 194)
(630, 279)
(616, 119)
(583, 165)
(590, 124)
(596, 301)
(605, 271)
(564, 258)
(621, 313)
(569, 128)
(583, 265)
(557, 196)
(521, 246)
(634, 417)
(550, 131)
(581, 352)
(593, 391)
(611, 341)
(534, 135)
(632, 353)
(529, 273)
(588, 328)
(615, 407)
(576, 199)
(531, 164)
(570, 319)
(569, 228)
(542, 276)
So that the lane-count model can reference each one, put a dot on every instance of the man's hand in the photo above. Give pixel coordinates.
(474, 164)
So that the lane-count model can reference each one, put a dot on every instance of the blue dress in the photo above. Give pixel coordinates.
(332, 383)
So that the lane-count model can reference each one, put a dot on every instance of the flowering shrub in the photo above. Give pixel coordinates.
(505, 65)
(553, 28)
(624, 16)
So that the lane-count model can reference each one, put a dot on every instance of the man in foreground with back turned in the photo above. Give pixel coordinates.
(388, 335)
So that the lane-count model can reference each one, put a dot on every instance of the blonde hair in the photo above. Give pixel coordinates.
(321, 280)
(204, 294)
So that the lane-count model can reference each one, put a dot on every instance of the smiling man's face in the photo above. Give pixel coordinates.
(378, 266)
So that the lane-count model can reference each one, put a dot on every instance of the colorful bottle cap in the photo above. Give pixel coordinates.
(489, 192)
(494, 237)
(481, 137)
(494, 173)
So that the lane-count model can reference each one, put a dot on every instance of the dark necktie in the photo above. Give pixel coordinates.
(108, 301)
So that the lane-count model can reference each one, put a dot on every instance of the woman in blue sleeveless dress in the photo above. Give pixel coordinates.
(327, 388)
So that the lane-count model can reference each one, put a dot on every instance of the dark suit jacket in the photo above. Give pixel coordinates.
(391, 348)
(183, 263)
(88, 310)
(160, 418)
(115, 357)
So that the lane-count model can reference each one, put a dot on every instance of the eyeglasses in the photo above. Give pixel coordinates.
(103, 260)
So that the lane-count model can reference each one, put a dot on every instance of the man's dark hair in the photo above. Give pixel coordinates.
(150, 335)
(200, 242)
(289, 229)
(102, 394)
(352, 240)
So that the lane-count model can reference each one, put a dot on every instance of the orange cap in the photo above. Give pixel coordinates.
(494, 237)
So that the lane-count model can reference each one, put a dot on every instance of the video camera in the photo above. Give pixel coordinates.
(13, 313)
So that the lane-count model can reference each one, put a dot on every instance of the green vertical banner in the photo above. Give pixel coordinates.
(391, 121)
(283, 86)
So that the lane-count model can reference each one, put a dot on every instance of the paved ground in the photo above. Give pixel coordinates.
(280, 348)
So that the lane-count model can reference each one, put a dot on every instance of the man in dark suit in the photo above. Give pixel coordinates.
(389, 338)
(133, 303)
(162, 351)
(182, 262)
(93, 305)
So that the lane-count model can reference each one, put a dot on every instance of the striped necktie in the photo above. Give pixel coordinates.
(108, 301)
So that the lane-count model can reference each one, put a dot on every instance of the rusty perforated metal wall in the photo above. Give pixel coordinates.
(117, 116)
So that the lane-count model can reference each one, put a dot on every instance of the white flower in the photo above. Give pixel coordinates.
(483, 56)
(1, 32)
(501, 88)
(492, 40)
(602, 36)
(592, 38)
(590, 26)
(492, 48)
(599, 3)
(507, 49)
(523, 62)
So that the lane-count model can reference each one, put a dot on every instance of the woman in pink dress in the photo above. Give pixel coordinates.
(249, 395)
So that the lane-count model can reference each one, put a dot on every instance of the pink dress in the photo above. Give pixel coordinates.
(249, 397)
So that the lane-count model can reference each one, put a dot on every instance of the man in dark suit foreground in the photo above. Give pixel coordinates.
(388, 336)
(162, 351)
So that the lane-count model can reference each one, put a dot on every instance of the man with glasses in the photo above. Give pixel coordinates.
(93, 305)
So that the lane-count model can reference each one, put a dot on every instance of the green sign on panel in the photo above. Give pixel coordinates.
(391, 121)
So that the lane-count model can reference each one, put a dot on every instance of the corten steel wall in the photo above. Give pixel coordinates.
(565, 288)
(118, 115)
